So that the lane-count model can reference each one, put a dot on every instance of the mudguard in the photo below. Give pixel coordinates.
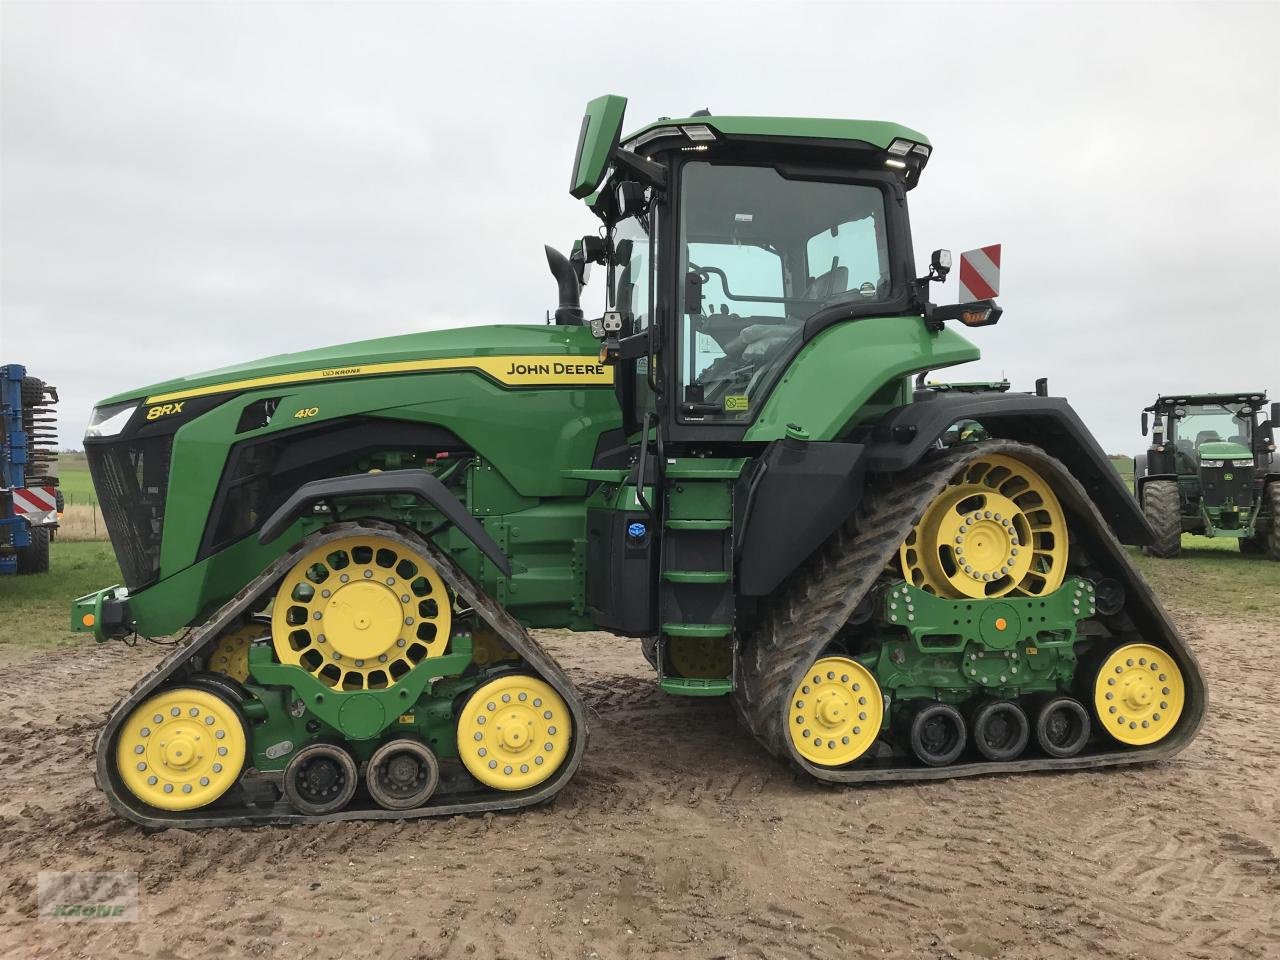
(907, 433)
(416, 482)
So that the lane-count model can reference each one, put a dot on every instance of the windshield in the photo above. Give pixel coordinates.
(1210, 423)
(761, 253)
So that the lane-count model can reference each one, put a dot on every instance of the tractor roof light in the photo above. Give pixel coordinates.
(896, 164)
(657, 133)
(699, 132)
(923, 149)
(900, 147)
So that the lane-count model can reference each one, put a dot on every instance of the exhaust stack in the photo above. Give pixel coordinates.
(569, 312)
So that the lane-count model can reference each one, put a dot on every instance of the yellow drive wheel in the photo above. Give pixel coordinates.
(181, 749)
(230, 655)
(514, 732)
(704, 658)
(836, 712)
(360, 612)
(1139, 694)
(996, 529)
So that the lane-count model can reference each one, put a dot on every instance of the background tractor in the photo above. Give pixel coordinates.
(1210, 470)
(738, 466)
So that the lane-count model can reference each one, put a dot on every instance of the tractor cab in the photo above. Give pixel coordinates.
(731, 244)
(1208, 468)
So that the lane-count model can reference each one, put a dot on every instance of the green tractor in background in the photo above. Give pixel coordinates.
(1211, 470)
(738, 467)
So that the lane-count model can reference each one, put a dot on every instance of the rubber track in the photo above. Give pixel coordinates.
(202, 639)
(817, 601)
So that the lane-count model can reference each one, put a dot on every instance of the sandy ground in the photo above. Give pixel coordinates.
(679, 837)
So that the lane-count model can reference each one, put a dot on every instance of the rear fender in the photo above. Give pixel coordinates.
(908, 432)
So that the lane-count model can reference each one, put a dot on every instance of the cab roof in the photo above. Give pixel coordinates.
(877, 133)
(1176, 399)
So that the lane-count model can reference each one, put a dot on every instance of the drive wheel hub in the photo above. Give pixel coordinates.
(996, 529)
(361, 612)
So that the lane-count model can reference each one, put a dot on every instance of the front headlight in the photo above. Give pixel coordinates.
(109, 421)
(1242, 463)
(1211, 463)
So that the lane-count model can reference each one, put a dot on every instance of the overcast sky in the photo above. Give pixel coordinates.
(186, 186)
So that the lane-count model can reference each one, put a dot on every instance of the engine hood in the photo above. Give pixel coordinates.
(514, 350)
(1224, 450)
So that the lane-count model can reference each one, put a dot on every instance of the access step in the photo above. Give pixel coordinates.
(697, 629)
(697, 576)
(692, 687)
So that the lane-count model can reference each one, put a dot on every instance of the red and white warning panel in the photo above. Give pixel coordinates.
(38, 504)
(980, 274)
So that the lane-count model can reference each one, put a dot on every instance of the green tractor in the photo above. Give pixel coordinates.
(1211, 470)
(738, 467)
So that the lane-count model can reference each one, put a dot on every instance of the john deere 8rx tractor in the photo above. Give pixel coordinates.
(737, 467)
(1212, 470)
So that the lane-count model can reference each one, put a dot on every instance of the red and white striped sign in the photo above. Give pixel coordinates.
(35, 502)
(980, 274)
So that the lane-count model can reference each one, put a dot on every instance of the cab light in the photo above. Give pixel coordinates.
(900, 148)
(699, 132)
(896, 164)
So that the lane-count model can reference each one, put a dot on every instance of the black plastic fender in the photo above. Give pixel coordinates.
(796, 495)
(906, 433)
(422, 485)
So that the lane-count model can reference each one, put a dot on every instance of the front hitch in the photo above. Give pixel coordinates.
(105, 614)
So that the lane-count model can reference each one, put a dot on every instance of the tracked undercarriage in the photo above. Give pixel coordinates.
(843, 615)
(227, 731)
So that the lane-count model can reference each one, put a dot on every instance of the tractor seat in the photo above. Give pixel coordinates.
(1207, 436)
(827, 285)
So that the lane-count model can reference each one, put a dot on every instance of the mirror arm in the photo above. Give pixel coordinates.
(644, 169)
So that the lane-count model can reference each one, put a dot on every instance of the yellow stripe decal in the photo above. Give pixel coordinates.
(515, 371)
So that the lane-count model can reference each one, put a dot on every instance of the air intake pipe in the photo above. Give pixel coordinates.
(569, 313)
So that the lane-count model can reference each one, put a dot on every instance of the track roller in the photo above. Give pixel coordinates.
(320, 779)
(402, 774)
(1062, 726)
(935, 732)
(1000, 729)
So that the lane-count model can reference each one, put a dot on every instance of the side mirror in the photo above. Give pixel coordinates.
(1145, 424)
(597, 141)
(1275, 414)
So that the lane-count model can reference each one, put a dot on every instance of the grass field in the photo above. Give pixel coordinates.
(73, 479)
(34, 610)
